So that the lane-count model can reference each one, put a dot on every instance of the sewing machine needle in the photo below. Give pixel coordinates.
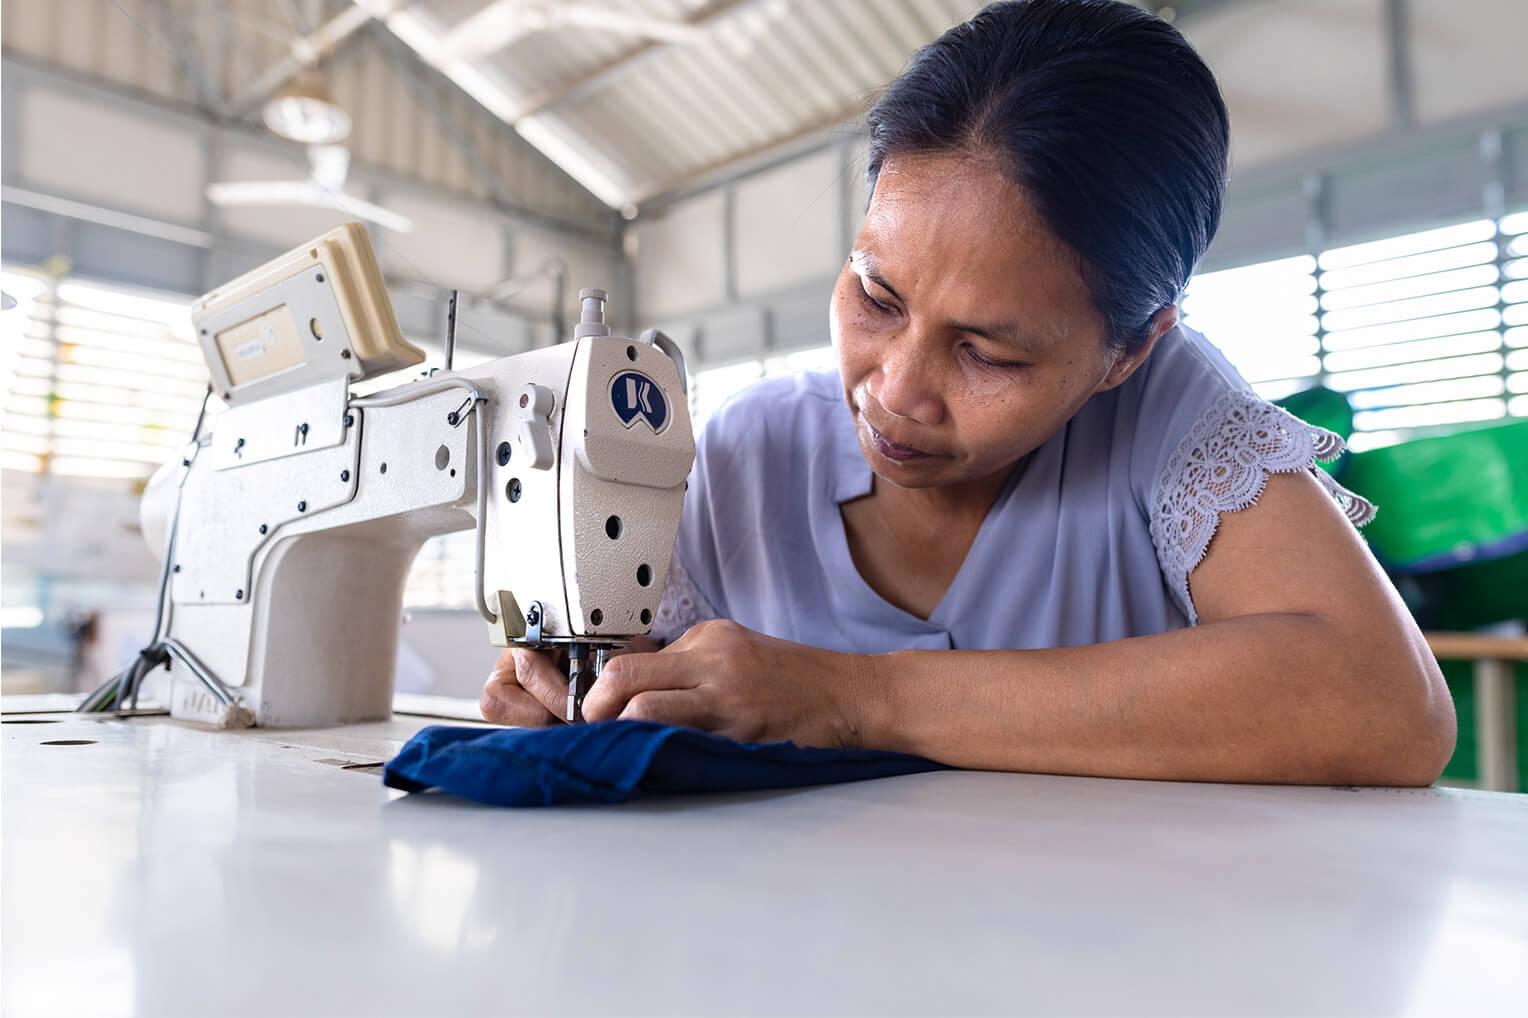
(578, 656)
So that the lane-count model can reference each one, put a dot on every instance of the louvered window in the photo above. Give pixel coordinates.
(1423, 331)
(98, 382)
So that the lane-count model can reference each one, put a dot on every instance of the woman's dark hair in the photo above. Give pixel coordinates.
(1102, 114)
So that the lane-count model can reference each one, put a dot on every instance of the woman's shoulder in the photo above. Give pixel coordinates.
(1153, 411)
(1202, 443)
(1185, 364)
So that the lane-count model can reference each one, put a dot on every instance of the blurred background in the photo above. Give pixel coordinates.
(703, 160)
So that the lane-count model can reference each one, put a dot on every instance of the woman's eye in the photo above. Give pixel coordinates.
(875, 304)
(987, 362)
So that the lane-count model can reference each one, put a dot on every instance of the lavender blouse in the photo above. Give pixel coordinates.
(1093, 538)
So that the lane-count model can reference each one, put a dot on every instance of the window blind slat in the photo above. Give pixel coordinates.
(100, 382)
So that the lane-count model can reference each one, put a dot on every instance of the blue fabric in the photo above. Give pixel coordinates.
(613, 761)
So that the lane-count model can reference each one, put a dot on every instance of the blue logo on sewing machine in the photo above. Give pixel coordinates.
(636, 397)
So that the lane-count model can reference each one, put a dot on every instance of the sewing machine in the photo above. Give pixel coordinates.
(287, 533)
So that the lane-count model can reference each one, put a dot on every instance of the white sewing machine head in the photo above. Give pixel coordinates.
(288, 534)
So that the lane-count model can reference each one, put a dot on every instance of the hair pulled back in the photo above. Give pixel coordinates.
(1103, 115)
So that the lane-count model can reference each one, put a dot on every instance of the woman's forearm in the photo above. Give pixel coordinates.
(1261, 698)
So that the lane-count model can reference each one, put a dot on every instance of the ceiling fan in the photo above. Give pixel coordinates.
(305, 112)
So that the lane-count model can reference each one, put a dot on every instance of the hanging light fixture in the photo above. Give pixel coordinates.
(304, 111)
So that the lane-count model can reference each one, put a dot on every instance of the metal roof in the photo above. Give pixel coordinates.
(638, 97)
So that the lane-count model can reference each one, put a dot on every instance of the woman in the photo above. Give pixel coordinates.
(987, 539)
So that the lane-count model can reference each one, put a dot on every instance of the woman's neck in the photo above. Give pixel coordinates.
(961, 506)
(908, 543)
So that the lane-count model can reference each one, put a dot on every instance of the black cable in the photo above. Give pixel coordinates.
(196, 432)
(115, 692)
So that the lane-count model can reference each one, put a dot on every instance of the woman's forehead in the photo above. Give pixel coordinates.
(958, 220)
(958, 194)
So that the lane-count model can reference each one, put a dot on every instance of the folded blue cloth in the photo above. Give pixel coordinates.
(613, 761)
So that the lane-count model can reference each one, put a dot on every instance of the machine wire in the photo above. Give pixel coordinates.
(121, 690)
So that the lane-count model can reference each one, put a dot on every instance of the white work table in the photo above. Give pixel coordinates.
(166, 870)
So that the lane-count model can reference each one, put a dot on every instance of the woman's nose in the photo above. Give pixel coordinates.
(904, 384)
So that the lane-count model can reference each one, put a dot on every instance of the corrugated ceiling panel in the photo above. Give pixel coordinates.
(801, 34)
(803, 87)
(748, 104)
(867, 58)
(641, 134)
(549, 58)
(768, 72)
(764, 71)
(877, 35)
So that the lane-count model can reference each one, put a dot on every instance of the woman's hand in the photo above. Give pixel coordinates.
(723, 678)
(522, 686)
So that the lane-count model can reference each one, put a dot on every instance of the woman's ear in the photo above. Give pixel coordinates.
(1163, 322)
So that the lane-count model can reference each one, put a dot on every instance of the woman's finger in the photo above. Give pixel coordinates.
(504, 703)
(624, 677)
(670, 707)
(539, 676)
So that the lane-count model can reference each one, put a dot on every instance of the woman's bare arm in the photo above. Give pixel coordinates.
(1306, 667)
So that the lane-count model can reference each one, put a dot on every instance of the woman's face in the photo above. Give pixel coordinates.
(965, 333)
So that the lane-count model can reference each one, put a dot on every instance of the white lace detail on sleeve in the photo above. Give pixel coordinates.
(1222, 465)
(682, 605)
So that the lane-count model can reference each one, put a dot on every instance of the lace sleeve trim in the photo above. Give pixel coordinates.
(682, 605)
(1222, 465)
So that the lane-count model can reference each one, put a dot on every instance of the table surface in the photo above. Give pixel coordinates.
(162, 869)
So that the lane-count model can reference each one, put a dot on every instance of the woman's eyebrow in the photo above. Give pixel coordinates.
(1007, 333)
(867, 266)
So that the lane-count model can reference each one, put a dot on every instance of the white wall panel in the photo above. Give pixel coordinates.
(82, 149)
(1468, 57)
(588, 266)
(680, 259)
(1298, 75)
(449, 246)
(1443, 184)
(787, 225)
(732, 334)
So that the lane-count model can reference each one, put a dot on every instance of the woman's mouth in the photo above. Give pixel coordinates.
(891, 450)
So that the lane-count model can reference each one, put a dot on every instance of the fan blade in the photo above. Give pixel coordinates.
(385, 218)
(305, 192)
(262, 192)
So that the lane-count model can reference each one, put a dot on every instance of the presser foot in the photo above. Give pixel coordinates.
(584, 666)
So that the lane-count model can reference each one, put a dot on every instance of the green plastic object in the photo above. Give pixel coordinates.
(1328, 409)
(1447, 501)
(1323, 407)
(1468, 596)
